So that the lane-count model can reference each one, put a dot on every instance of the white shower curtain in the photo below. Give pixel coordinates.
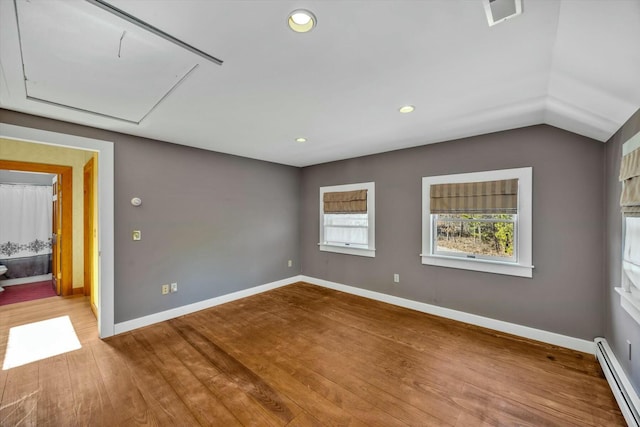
(25, 220)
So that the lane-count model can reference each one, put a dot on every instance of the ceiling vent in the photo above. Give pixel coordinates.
(500, 10)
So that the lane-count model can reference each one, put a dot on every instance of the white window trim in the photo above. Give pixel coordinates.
(523, 266)
(371, 199)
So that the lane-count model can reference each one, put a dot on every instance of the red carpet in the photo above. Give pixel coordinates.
(26, 292)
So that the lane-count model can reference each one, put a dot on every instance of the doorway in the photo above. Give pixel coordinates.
(105, 208)
(62, 243)
(25, 236)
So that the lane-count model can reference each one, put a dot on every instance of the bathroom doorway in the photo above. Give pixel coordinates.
(56, 227)
(25, 236)
(61, 237)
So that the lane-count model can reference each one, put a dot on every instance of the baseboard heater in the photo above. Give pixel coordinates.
(621, 387)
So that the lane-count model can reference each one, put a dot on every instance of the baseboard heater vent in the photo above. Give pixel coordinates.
(620, 385)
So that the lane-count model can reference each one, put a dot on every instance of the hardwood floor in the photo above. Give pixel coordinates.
(300, 355)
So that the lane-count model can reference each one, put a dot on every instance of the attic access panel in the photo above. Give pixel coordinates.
(81, 57)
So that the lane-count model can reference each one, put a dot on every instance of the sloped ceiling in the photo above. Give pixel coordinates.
(572, 64)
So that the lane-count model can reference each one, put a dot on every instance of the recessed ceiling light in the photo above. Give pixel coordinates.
(406, 109)
(302, 21)
(301, 139)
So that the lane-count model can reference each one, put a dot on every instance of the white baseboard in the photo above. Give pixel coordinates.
(200, 305)
(619, 383)
(486, 322)
(23, 280)
(498, 325)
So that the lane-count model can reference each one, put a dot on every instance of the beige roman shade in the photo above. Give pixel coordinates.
(490, 197)
(345, 202)
(630, 178)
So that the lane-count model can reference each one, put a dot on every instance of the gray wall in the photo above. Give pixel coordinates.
(217, 223)
(565, 294)
(214, 223)
(620, 327)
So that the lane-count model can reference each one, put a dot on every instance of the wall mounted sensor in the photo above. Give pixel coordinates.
(136, 201)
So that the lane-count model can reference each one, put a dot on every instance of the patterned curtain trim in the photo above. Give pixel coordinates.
(34, 247)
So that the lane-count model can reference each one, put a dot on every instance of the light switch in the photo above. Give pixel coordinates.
(136, 235)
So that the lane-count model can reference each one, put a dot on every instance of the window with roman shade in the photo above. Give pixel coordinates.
(479, 221)
(630, 208)
(347, 220)
(630, 178)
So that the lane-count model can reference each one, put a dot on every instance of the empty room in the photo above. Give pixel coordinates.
(310, 213)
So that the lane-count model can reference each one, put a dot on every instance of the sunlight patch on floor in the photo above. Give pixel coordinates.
(39, 340)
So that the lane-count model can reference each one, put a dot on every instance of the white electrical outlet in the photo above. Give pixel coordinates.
(290, 263)
(396, 278)
(165, 289)
(174, 287)
(136, 235)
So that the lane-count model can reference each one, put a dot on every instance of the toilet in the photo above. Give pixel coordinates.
(3, 270)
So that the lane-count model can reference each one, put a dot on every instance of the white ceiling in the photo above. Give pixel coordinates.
(573, 64)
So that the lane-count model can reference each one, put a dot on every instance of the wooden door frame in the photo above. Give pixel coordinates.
(66, 186)
(89, 226)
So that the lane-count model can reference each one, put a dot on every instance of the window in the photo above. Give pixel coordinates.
(347, 220)
(630, 207)
(630, 290)
(476, 236)
(478, 221)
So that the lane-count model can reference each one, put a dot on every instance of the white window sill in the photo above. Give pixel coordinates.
(483, 265)
(371, 253)
(630, 301)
